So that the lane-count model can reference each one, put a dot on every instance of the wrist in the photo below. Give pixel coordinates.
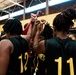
(38, 33)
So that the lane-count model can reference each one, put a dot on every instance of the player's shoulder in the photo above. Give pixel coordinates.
(6, 42)
(6, 45)
(73, 42)
(52, 40)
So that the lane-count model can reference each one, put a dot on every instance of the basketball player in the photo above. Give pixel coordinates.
(13, 51)
(60, 51)
(44, 35)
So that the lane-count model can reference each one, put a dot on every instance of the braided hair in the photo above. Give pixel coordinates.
(47, 32)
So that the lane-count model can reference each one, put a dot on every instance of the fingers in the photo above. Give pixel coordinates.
(43, 21)
(37, 22)
(40, 22)
(33, 17)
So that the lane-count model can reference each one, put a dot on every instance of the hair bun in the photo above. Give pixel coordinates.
(70, 13)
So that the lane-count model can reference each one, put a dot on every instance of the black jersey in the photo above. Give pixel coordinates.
(60, 56)
(19, 57)
(41, 68)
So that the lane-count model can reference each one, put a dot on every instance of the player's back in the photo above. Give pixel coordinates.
(61, 56)
(19, 57)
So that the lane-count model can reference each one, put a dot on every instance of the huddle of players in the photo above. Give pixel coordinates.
(16, 58)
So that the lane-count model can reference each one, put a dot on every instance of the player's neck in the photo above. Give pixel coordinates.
(10, 36)
(62, 35)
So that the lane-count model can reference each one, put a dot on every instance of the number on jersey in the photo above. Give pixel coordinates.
(70, 62)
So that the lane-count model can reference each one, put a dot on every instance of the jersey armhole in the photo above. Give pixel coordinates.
(45, 45)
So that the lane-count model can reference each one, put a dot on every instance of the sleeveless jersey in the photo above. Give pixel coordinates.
(19, 57)
(41, 68)
(60, 56)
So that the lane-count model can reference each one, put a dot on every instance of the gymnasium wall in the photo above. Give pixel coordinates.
(48, 18)
(1, 28)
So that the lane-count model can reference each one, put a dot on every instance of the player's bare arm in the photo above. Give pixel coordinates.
(6, 48)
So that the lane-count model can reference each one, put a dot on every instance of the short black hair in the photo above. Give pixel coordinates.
(63, 21)
(47, 32)
(13, 26)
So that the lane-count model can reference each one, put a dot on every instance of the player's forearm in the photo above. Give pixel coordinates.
(29, 30)
(35, 43)
(2, 67)
(34, 32)
(26, 29)
(2, 73)
(36, 39)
